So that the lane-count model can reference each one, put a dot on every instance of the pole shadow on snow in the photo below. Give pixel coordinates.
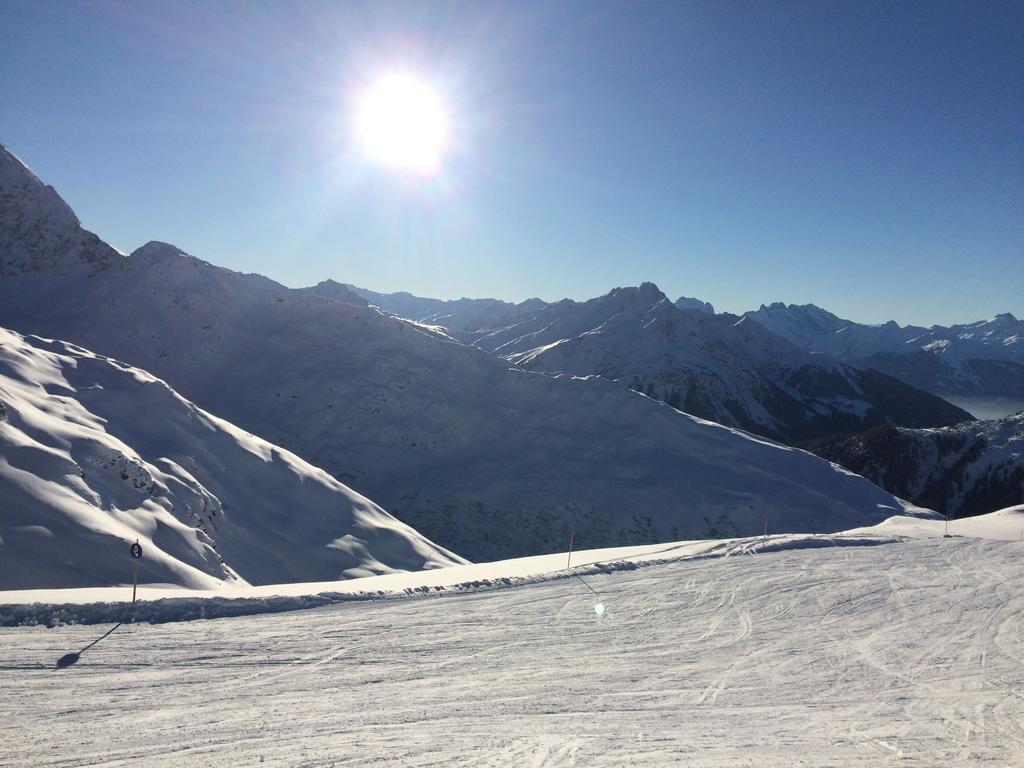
(71, 658)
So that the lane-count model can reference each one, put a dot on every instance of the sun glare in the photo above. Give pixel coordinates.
(402, 124)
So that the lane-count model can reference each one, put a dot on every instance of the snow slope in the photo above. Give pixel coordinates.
(905, 653)
(1002, 525)
(95, 454)
(161, 602)
(985, 358)
(719, 367)
(484, 460)
(967, 469)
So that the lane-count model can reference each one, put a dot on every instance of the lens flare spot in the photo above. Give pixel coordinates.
(599, 609)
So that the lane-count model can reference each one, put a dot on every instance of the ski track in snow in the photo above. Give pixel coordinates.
(909, 653)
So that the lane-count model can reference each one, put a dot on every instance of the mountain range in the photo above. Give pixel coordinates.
(779, 372)
(716, 366)
(458, 316)
(981, 359)
(976, 365)
(481, 456)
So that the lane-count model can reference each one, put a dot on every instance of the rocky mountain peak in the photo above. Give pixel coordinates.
(688, 304)
(38, 231)
(156, 249)
(332, 289)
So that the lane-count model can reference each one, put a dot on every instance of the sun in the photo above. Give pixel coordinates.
(402, 123)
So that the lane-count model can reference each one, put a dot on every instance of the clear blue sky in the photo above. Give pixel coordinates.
(866, 157)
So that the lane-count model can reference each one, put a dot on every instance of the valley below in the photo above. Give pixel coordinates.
(987, 407)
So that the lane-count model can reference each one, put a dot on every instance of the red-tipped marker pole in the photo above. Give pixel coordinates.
(569, 559)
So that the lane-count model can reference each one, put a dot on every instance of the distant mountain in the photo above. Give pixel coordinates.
(457, 316)
(718, 367)
(329, 289)
(982, 359)
(484, 459)
(694, 305)
(95, 454)
(969, 469)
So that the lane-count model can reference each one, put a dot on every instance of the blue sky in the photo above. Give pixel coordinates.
(866, 157)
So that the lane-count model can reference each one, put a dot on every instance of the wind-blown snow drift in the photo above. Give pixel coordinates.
(95, 454)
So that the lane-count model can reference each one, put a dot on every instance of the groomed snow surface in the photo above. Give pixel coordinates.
(798, 651)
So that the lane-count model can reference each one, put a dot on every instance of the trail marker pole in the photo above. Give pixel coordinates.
(135, 550)
(945, 535)
(766, 528)
(569, 559)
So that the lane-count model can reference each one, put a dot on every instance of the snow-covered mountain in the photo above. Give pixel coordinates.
(985, 358)
(40, 232)
(457, 316)
(719, 367)
(694, 305)
(331, 289)
(483, 459)
(95, 454)
(969, 469)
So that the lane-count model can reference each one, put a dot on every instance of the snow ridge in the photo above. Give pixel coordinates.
(95, 454)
